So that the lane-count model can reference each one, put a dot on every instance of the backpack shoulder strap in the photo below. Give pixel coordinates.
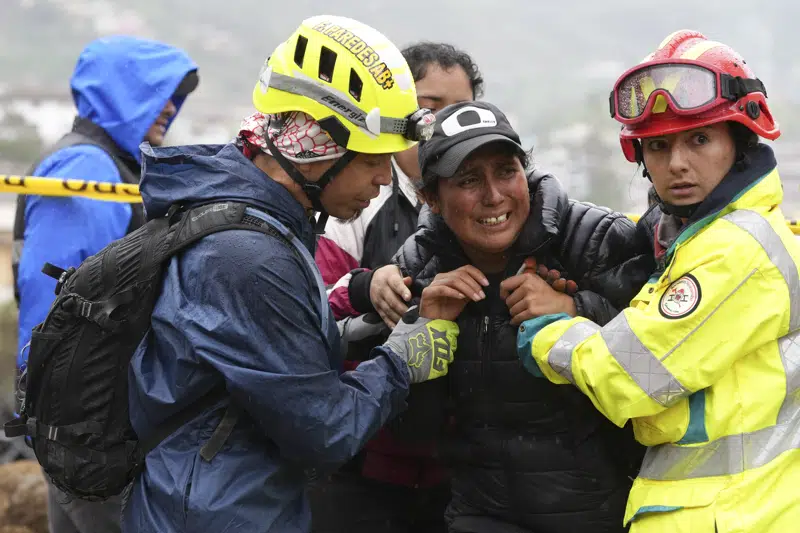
(127, 166)
(93, 134)
(83, 132)
(87, 132)
(70, 139)
(308, 261)
(212, 218)
(193, 226)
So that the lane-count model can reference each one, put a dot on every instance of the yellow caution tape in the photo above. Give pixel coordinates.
(98, 190)
(122, 192)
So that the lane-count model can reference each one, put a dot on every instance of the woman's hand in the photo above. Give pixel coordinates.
(527, 296)
(551, 276)
(389, 293)
(450, 292)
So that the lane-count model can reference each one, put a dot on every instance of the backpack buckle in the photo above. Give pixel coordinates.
(63, 279)
(59, 274)
(85, 308)
(31, 426)
(78, 306)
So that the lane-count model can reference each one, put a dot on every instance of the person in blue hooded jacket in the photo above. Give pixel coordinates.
(126, 90)
(248, 312)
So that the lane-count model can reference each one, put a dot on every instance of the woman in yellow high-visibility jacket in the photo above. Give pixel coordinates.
(706, 360)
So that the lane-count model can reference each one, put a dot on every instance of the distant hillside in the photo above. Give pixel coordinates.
(549, 65)
(535, 55)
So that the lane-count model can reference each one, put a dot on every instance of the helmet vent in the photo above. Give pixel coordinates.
(300, 50)
(356, 85)
(327, 62)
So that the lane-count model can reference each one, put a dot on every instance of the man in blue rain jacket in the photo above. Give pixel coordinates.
(126, 90)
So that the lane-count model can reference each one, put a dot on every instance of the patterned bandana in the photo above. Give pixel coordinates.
(296, 135)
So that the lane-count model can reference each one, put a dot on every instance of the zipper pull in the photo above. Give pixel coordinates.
(486, 324)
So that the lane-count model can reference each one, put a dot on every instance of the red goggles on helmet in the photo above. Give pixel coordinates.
(686, 86)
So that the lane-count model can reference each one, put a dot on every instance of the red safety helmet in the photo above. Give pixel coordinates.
(688, 82)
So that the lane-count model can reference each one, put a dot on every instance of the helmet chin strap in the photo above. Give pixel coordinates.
(313, 190)
(680, 211)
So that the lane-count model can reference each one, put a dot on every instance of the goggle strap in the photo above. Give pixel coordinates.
(733, 88)
(612, 103)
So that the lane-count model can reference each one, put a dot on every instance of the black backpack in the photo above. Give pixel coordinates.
(75, 404)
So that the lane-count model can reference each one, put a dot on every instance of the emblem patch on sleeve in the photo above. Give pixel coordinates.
(681, 298)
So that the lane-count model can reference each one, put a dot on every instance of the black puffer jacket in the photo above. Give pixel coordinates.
(528, 455)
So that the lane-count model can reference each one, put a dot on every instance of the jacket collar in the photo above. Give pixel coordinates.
(404, 183)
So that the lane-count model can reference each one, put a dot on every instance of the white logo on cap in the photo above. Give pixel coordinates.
(481, 118)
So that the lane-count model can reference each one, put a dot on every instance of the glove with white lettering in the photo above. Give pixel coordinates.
(427, 346)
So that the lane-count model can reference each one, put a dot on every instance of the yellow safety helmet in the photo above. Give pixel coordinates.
(351, 79)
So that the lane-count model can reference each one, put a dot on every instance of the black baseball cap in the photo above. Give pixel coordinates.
(461, 129)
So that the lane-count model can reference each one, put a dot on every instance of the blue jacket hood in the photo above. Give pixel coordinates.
(122, 83)
(201, 173)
